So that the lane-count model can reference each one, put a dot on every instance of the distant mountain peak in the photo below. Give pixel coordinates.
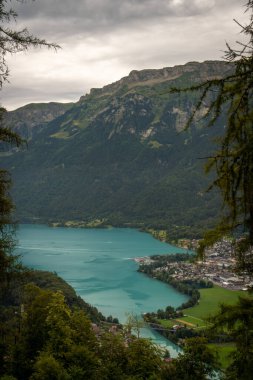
(120, 154)
(208, 70)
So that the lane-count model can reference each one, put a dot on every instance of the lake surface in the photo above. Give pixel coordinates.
(99, 264)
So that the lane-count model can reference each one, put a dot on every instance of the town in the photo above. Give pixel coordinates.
(217, 266)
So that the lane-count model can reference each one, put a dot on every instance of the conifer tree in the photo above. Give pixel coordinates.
(233, 161)
(11, 42)
(14, 41)
(237, 322)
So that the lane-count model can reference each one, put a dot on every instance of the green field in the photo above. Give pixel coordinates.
(209, 302)
(210, 299)
(196, 322)
(168, 323)
(197, 317)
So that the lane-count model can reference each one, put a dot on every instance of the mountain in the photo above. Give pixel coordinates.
(30, 119)
(121, 155)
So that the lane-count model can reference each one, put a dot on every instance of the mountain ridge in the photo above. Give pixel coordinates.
(31, 118)
(120, 155)
(160, 75)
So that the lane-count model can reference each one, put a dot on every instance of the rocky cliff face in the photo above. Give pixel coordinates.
(120, 154)
(206, 70)
(30, 119)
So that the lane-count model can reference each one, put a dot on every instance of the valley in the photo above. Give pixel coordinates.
(119, 155)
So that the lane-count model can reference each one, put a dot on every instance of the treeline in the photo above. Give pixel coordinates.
(179, 336)
(44, 338)
(152, 318)
(188, 287)
(12, 294)
(47, 333)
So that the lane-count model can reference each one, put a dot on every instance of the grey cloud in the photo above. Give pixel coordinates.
(104, 40)
(68, 22)
(89, 16)
(118, 9)
(110, 10)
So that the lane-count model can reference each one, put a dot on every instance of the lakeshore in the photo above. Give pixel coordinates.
(99, 265)
(194, 278)
(95, 271)
(217, 266)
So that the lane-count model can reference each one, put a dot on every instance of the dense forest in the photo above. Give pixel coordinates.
(53, 334)
(119, 156)
(46, 331)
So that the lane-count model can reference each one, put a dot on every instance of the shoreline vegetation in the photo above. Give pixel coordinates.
(193, 319)
(48, 332)
(158, 233)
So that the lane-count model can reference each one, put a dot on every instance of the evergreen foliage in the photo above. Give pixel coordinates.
(43, 337)
(197, 363)
(11, 41)
(8, 263)
(83, 169)
(233, 161)
(46, 339)
(237, 321)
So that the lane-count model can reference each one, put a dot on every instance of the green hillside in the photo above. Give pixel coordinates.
(120, 154)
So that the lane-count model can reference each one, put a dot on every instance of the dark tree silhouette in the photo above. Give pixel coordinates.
(232, 95)
(11, 42)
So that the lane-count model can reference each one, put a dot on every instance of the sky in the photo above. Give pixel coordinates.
(103, 40)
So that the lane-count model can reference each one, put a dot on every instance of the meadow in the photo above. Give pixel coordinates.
(208, 305)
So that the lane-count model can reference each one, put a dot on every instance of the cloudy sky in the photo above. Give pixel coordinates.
(103, 40)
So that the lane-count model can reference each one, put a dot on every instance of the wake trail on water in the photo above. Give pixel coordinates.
(53, 249)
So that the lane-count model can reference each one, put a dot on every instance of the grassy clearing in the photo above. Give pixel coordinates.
(195, 322)
(196, 317)
(223, 350)
(185, 321)
(168, 323)
(210, 299)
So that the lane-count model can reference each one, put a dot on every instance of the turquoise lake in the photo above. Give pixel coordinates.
(99, 264)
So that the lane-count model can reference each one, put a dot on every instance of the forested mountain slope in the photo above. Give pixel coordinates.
(120, 154)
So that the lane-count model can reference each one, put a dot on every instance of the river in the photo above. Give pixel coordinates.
(99, 265)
